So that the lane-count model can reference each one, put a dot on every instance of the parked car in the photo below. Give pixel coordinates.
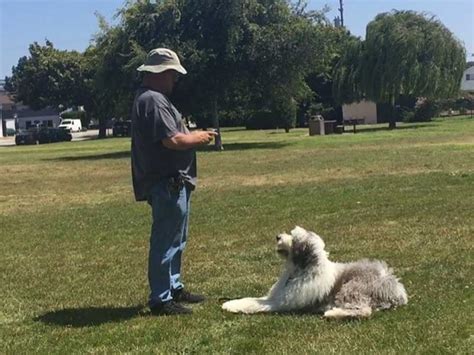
(122, 128)
(71, 124)
(52, 135)
(26, 136)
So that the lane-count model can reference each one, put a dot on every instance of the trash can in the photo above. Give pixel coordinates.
(316, 125)
(319, 126)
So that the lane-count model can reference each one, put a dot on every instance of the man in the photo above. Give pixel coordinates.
(164, 174)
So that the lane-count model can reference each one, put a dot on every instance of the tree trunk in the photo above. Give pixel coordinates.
(102, 127)
(215, 121)
(392, 123)
(4, 126)
(88, 118)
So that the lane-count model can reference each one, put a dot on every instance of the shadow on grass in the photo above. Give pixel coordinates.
(245, 146)
(115, 155)
(361, 129)
(208, 148)
(90, 316)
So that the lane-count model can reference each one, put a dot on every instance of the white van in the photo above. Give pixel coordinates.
(73, 125)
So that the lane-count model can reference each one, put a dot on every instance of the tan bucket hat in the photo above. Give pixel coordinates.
(161, 59)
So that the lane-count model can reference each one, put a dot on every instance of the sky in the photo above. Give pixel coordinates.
(71, 24)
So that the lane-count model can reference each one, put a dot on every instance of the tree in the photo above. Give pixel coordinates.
(347, 74)
(404, 53)
(289, 46)
(239, 54)
(48, 77)
(203, 33)
(59, 78)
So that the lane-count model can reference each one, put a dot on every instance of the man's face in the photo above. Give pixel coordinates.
(170, 77)
(165, 81)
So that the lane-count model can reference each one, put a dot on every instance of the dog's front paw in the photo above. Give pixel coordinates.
(231, 306)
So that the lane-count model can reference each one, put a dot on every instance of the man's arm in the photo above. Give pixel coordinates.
(181, 141)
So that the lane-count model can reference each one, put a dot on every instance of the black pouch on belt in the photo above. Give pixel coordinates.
(176, 183)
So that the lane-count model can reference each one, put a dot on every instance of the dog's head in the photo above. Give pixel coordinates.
(301, 247)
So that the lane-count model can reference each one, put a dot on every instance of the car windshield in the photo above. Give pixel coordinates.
(66, 122)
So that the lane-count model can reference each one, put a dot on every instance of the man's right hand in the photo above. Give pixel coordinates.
(204, 137)
(182, 141)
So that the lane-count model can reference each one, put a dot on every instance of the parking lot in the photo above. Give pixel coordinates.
(79, 136)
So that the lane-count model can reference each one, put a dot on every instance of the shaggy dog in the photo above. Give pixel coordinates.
(311, 282)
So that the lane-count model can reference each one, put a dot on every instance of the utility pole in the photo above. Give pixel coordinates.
(341, 11)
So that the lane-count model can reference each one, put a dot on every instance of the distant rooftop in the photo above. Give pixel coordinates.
(5, 99)
(25, 111)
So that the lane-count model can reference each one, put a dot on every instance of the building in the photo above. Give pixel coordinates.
(364, 109)
(7, 120)
(14, 116)
(26, 117)
(467, 82)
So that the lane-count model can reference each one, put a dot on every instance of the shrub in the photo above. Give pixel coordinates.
(233, 118)
(425, 110)
(407, 115)
(329, 114)
(74, 114)
(260, 120)
(284, 113)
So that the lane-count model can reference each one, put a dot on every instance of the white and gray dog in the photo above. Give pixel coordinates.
(311, 282)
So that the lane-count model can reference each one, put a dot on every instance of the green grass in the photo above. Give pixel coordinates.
(74, 242)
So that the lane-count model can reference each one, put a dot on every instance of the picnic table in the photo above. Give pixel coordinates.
(353, 122)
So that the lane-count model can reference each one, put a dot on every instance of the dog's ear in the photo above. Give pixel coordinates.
(319, 240)
(302, 253)
(298, 232)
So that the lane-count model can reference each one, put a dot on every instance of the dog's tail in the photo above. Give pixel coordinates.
(390, 292)
(249, 305)
(348, 313)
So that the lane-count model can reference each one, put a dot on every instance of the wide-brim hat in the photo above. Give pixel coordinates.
(161, 59)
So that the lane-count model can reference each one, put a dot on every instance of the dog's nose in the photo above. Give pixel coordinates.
(278, 238)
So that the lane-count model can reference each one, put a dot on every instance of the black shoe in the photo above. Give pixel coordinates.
(182, 295)
(169, 308)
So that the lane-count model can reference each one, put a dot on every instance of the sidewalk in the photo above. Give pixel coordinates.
(86, 135)
(7, 141)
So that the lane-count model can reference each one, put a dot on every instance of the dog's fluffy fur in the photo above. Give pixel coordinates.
(311, 282)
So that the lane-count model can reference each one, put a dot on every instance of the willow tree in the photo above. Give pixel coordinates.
(405, 53)
(347, 74)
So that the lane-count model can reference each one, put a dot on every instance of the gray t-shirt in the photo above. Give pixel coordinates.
(154, 118)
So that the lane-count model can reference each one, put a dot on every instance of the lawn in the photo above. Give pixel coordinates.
(74, 242)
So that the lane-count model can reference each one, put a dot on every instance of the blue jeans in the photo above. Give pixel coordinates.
(170, 210)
